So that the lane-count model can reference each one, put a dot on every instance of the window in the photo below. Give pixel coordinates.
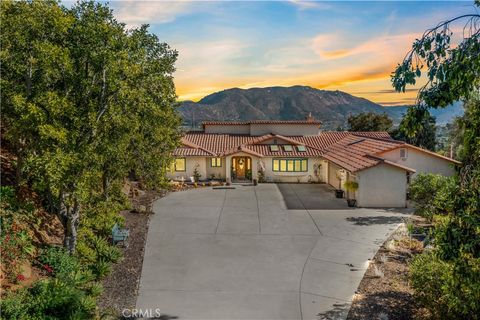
(301, 148)
(287, 148)
(276, 165)
(180, 164)
(290, 165)
(273, 147)
(216, 162)
(403, 153)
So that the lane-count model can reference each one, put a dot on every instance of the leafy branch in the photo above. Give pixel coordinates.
(448, 78)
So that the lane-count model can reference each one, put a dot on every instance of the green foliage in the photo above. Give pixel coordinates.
(351, 185)
(450, 290)
(459, 233)
(432, 194)
(453, 71)
(49, 299)
(68, 293)
(448, 280)
(418, 128)
(15, 241)
(85, 102)
(96, 254)
(369, 122)
(59, 261)
(196, 174)
(7, 197)
(261, 176)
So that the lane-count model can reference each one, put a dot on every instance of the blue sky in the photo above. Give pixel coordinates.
(346, 45)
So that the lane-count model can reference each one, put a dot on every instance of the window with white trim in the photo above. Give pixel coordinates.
(290, 165)
(216, 162)
(180, 164)
(403, 153)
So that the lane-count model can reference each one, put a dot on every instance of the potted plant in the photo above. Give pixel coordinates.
(339, 191)
(351, 186)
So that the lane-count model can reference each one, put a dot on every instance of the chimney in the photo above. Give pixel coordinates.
(310, 118)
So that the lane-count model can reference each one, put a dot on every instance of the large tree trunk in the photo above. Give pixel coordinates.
(69, 215)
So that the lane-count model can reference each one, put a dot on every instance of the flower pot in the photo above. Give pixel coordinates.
(339, 193)
(351, 202)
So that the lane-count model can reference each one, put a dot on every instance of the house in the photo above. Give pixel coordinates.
(298, 151)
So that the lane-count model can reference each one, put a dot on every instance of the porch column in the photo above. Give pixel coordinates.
(254, 168)
(228, 168)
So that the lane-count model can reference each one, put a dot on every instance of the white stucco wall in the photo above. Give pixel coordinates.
(232, 129)
(332, 176)
(308, 176)
(422, 162)
(191, 162)
(382, 186)
(219, 172)
(284, 129)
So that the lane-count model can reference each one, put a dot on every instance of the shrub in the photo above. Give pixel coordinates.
(15, 240)
(432, 194)
(49, 299)
(449, 289)
(101, 268)
(59, 261)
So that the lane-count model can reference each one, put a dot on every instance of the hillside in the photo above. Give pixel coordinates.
(286, 103)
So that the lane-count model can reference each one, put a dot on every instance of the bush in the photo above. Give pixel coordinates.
(48, 299)
(432, 194)
(57, 261)
(450, 290)
(15, 240)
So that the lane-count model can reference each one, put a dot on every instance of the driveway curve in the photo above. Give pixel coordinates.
(241, 254)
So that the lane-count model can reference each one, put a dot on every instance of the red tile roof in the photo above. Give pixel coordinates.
(190, 152)
(353, 151)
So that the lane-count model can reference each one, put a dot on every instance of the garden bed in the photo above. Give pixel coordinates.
(121, 286)
(384, 292)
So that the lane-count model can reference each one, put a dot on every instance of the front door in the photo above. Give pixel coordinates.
(240, 165)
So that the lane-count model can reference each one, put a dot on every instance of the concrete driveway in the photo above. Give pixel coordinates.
(311, 197)
(241, 254)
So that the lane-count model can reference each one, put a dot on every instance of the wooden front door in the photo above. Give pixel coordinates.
(240, 166)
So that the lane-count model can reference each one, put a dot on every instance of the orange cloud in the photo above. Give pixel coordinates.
(326, 46)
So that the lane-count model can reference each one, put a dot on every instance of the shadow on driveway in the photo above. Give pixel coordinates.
(310, 197)
(368, 221)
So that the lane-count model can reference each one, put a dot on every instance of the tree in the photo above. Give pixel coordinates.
(418, 128)
(84, 102)
(369, 121)
(452, 70)
(453, 73)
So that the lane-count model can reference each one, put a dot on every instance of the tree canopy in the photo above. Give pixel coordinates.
(418, 128)
(453, 73)
(85, 101)
(369, 121)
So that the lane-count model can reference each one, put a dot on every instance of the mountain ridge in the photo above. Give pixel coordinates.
(290, 103)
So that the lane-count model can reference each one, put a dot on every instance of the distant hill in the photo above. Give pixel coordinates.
(289, 103)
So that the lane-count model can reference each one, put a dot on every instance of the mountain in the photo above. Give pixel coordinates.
(284, 103)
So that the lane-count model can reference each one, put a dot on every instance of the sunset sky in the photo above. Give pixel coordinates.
(351, 46)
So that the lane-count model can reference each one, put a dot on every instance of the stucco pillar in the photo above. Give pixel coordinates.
(228, 169)
(254, 168)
